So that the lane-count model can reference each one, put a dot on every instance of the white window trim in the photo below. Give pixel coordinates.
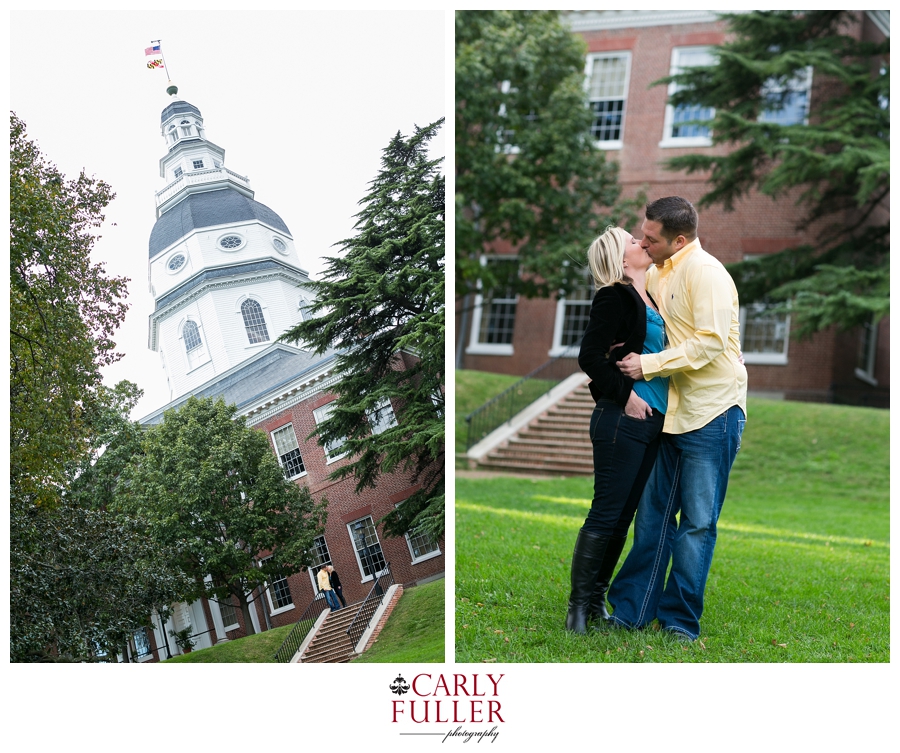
(385, 425)
(766, 359)
(486, 349)
(589, 62)
(669, 142)
(329, 459)
(202, 356)
(226, 235)
(234, 625)
(362, 573)
(278, 455)
(558, 349)
(309, 570)
(412, 557)
(183, 268)
(265, 314)
(808, 74)
(268, 589)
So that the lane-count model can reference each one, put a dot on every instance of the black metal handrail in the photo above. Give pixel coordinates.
(500, 409)
(370, 605)
(301, 629)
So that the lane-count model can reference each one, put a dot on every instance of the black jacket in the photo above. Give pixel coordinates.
(618, 315)
(335, 580)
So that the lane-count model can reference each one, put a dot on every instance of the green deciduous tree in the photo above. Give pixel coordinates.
(82, 581)
(837, 164)
(63, 312)
(380, 305)
(527, 170)
(211, 489)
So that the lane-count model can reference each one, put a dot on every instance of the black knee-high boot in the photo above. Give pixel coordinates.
(586, 562)
(597, 608)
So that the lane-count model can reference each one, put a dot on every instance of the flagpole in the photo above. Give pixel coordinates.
(172, 90)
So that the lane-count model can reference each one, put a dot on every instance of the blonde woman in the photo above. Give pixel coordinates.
(627, 420)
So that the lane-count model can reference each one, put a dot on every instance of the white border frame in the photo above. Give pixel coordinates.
(588, 66)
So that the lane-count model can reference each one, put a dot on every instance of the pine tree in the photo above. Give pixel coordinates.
(527, 170)
(380, 305)
(837, 165)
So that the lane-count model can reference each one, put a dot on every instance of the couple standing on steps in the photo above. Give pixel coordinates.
(662, 349)
(330, 585)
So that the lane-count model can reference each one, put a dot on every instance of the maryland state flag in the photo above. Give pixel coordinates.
(154, 57)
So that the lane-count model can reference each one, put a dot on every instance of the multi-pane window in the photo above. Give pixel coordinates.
(254, 322)
(787, 103)
(141, 643)
(576, 314)
(191, 334)
(176, 262)
(279, 592)
(185, 127)
(367, 546)
(421, 545)
(198, 164)
(607, 75)
(498, 305)
(178, 172)
(764, 334)
(678, 119)
(231, 242)
(320, 557)
(333, 448)
(381, 417)
(288, 451)
(226, 609)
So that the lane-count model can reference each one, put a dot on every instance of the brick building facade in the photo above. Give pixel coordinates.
(635, 125)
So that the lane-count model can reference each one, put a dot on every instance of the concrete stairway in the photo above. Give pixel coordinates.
(332, 644)
(554, 442)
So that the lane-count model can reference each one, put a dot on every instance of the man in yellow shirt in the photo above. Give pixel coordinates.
(702, 431)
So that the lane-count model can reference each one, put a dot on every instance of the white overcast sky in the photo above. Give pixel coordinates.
(303, 102)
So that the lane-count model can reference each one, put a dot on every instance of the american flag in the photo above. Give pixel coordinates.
(152, 50)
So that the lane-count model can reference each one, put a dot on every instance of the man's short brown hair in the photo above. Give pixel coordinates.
(676, 215)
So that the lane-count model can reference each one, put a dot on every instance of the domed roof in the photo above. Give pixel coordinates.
(208, 209)
(178, 107)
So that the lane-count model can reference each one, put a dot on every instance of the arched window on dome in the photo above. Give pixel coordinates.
(172, 134)
(254, 322)
(191, 334)
(185, 128)
(193, 344)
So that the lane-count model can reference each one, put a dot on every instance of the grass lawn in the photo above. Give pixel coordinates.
(259, 648)
(415, 630)
(800, 574)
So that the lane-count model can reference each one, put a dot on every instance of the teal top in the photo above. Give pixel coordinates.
(656, 391)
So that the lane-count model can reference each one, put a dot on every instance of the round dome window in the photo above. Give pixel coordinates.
(231, 242)
(176, 262)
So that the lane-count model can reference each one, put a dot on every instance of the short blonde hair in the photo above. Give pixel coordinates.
(606, 257)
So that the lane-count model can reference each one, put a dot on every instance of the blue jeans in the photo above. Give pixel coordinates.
(690, 477)
(624, 451)
(332, 600)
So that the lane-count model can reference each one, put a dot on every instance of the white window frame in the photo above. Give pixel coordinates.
(384, 412)
(770, 358)
(868, 374)
(558, 349)
(488, 349)
(436, 552)
(198, 356)
(143, 657)
(359, 562)
(588, 71)
(669, 141)
(263, 311)
(178, 172)
(273, 610)
(802, 81)
(234, 625)
(278, 453)
(332, 452)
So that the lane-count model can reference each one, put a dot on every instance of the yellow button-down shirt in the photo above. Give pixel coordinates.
(699, 303)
